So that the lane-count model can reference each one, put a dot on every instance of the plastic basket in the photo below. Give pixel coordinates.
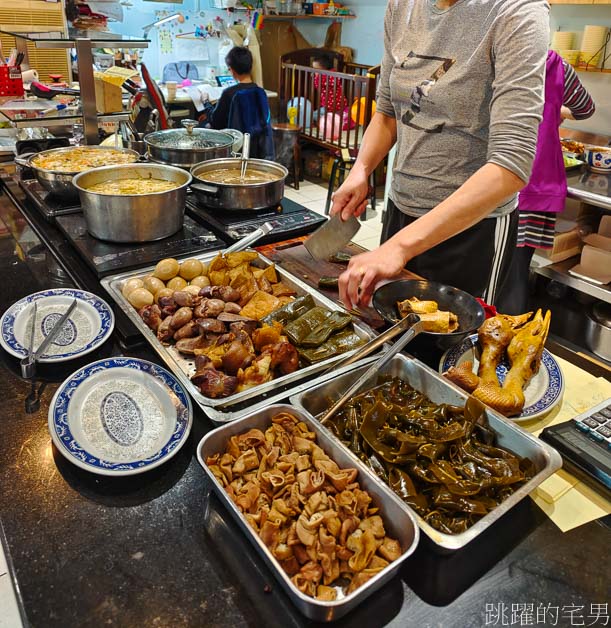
(11, 83)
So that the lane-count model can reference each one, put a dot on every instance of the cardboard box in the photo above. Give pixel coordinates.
(108, 97)
(108, 93)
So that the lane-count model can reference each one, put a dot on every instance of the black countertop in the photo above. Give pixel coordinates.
(158, 550)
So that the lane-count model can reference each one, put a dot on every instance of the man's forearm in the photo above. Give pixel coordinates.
(474, 200)
(379, 138)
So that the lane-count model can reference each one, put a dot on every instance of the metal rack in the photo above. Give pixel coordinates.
(84, 46)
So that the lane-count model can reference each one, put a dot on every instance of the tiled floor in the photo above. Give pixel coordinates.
(313, 196)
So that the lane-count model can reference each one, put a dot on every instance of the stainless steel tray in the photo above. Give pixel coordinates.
(183, 367)
(399, 522)
(509, 435)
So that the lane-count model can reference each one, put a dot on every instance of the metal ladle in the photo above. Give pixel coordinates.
(245, 155)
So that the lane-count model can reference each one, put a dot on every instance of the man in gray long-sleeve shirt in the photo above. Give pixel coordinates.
(461, 92)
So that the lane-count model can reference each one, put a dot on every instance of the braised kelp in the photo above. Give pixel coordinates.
(440, 459)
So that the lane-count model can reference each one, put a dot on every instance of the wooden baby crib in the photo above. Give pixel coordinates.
(357, 84)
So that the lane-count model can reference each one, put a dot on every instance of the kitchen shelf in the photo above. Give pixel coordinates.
(84, 42)
(560, 272)
(28, 118)
(99, 40)
(278, 18)
(599, 70)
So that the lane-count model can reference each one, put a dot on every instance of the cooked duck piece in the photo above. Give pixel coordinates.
(257, 373)
(209, 308)
(189, 330)
(524, 353)
(189, 346)
(439, 322)
(181, 317)
(239, 354)
(165, 331)
(285, 357)
(248, 326)
(214, 384)
(211, 325)
(185, 299)
(416, 306)
(151, 315)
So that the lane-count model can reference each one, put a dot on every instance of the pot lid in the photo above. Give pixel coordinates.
(601, 313)
(189, 138)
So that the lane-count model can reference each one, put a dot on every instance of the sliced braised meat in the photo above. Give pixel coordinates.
(212, 325)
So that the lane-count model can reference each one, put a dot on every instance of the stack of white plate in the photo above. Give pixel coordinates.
(562, 40)
(592, 45)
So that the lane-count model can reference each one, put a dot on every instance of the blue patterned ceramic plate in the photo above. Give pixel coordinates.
(89, 325)
(543, 392)
(120, 416)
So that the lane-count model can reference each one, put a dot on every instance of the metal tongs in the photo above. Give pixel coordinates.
(251, 238)
(403, 325)
(415, 328)
(28, 364)
(245, 155)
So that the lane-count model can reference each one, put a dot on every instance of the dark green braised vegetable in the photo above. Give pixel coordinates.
(299, 329)
(328, 283)
(338, 343)
(290, 311)
(336, 322)
(440, 459)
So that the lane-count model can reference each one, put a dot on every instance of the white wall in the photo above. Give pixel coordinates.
(203, 52)
(365, 35)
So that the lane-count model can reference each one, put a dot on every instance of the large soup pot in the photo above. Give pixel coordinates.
(239, 196)
(186, 147)
(58, 181)
(138, 217)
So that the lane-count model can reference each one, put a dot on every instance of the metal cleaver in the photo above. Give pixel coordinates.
(332, 236)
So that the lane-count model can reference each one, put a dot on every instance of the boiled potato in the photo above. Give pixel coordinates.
(190, 268)
(153, 284)
(166, 269)
(177, 283)
(200, 282)
(163, 292)
(131, 285)
(191, 289)
(140, 297)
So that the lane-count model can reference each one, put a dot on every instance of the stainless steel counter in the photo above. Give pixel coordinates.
(590, 187)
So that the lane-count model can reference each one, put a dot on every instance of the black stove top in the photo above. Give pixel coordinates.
(106, 258)
(49, 205)
(289, 220)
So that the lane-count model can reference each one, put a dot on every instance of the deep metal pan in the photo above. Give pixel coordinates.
(183, 367)
(399, 522)
(546, 459)
(58, 182)
(133, 217)
(188, 146)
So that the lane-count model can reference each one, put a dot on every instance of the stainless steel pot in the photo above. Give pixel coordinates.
(189, 146)
(138, 217)
(598, 330)
(57, 182)
(241, 197)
